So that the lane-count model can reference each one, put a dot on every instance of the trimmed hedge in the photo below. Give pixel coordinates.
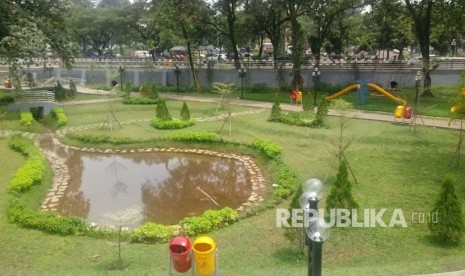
(33, 171)
(210, 220)
(141, 101)
(163, 124)
(46, 222)
(192, 136)
(287, 182)
(60, 116)
(152, 233)
(269, 148)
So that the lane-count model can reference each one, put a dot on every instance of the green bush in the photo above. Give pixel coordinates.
(153, 233)
(192, 136)
(275, 111)
(161, 112)
(60, 116)
(297, 118)
(270, 149)
(185, 113)
(33, 171)
(340, 195)
(141, 101)
(72, 88)
(171, 124)
(7, 99)
(287, 182)
(449, 226)
(26, 118)
(153, 93)
(210, 220)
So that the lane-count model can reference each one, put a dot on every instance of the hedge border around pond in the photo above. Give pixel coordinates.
(149, 232)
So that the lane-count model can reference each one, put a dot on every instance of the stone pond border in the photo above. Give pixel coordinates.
(61, 172)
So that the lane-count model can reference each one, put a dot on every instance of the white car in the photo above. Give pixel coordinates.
(221, 57)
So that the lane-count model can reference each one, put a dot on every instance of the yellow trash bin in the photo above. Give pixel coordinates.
(204, 255)
(299, 97)
(399, 111)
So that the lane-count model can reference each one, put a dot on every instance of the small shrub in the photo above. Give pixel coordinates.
(275, 111)
(288, 182)
(340, 195)
(161, 111)
(60, 116)
(185, 113)
(72, 89)
(153, 233)
(321, 113)
(270, 149)
(202, 137)
(60, 92)
(144, 90)
(449, 227)
(7, 99)
(26, 118)
(153, 93)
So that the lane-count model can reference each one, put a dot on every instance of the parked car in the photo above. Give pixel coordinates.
(220, 57)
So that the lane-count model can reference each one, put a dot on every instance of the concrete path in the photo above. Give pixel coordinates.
(358, 114)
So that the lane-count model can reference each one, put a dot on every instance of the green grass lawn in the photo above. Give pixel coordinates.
(394, 167)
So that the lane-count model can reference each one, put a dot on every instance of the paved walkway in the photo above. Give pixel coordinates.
(358, 114)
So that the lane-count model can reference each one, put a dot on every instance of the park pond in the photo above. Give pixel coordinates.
(131, 187)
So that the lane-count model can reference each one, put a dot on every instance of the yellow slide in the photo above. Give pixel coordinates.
(343, 91)
(387, 94)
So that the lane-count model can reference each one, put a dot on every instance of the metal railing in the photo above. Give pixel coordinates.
(33, 96)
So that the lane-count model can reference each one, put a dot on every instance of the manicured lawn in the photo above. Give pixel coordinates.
(395, 168)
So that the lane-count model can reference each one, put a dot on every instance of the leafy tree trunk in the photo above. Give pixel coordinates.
(421, 17)
(297, 34)
(191, 61)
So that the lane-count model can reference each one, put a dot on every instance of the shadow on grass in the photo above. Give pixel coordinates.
(430, 241)
(290, 254)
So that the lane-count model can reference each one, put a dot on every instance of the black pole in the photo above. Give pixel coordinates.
(316, 257)
(242, 86)
(312, 206)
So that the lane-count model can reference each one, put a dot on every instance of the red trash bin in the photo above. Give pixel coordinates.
(180, 252)
(408, 112)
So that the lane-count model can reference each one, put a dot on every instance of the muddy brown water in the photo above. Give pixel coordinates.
(133, 188)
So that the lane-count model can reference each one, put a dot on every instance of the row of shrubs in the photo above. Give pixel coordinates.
(209, 221)
(60, 116)
(103, 139)
(33, 171)
(139, 101)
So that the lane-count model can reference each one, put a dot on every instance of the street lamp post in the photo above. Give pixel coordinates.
(121, 72)
(177, 72)
(242, 73)
(312, 193)
(453, 45)
(316, 77)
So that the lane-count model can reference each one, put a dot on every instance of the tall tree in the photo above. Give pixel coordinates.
(225, 23)
(186, 20)
(28, 28)
(267, 18)
(324, 14)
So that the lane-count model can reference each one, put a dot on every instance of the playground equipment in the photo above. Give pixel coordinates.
(372, 86)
